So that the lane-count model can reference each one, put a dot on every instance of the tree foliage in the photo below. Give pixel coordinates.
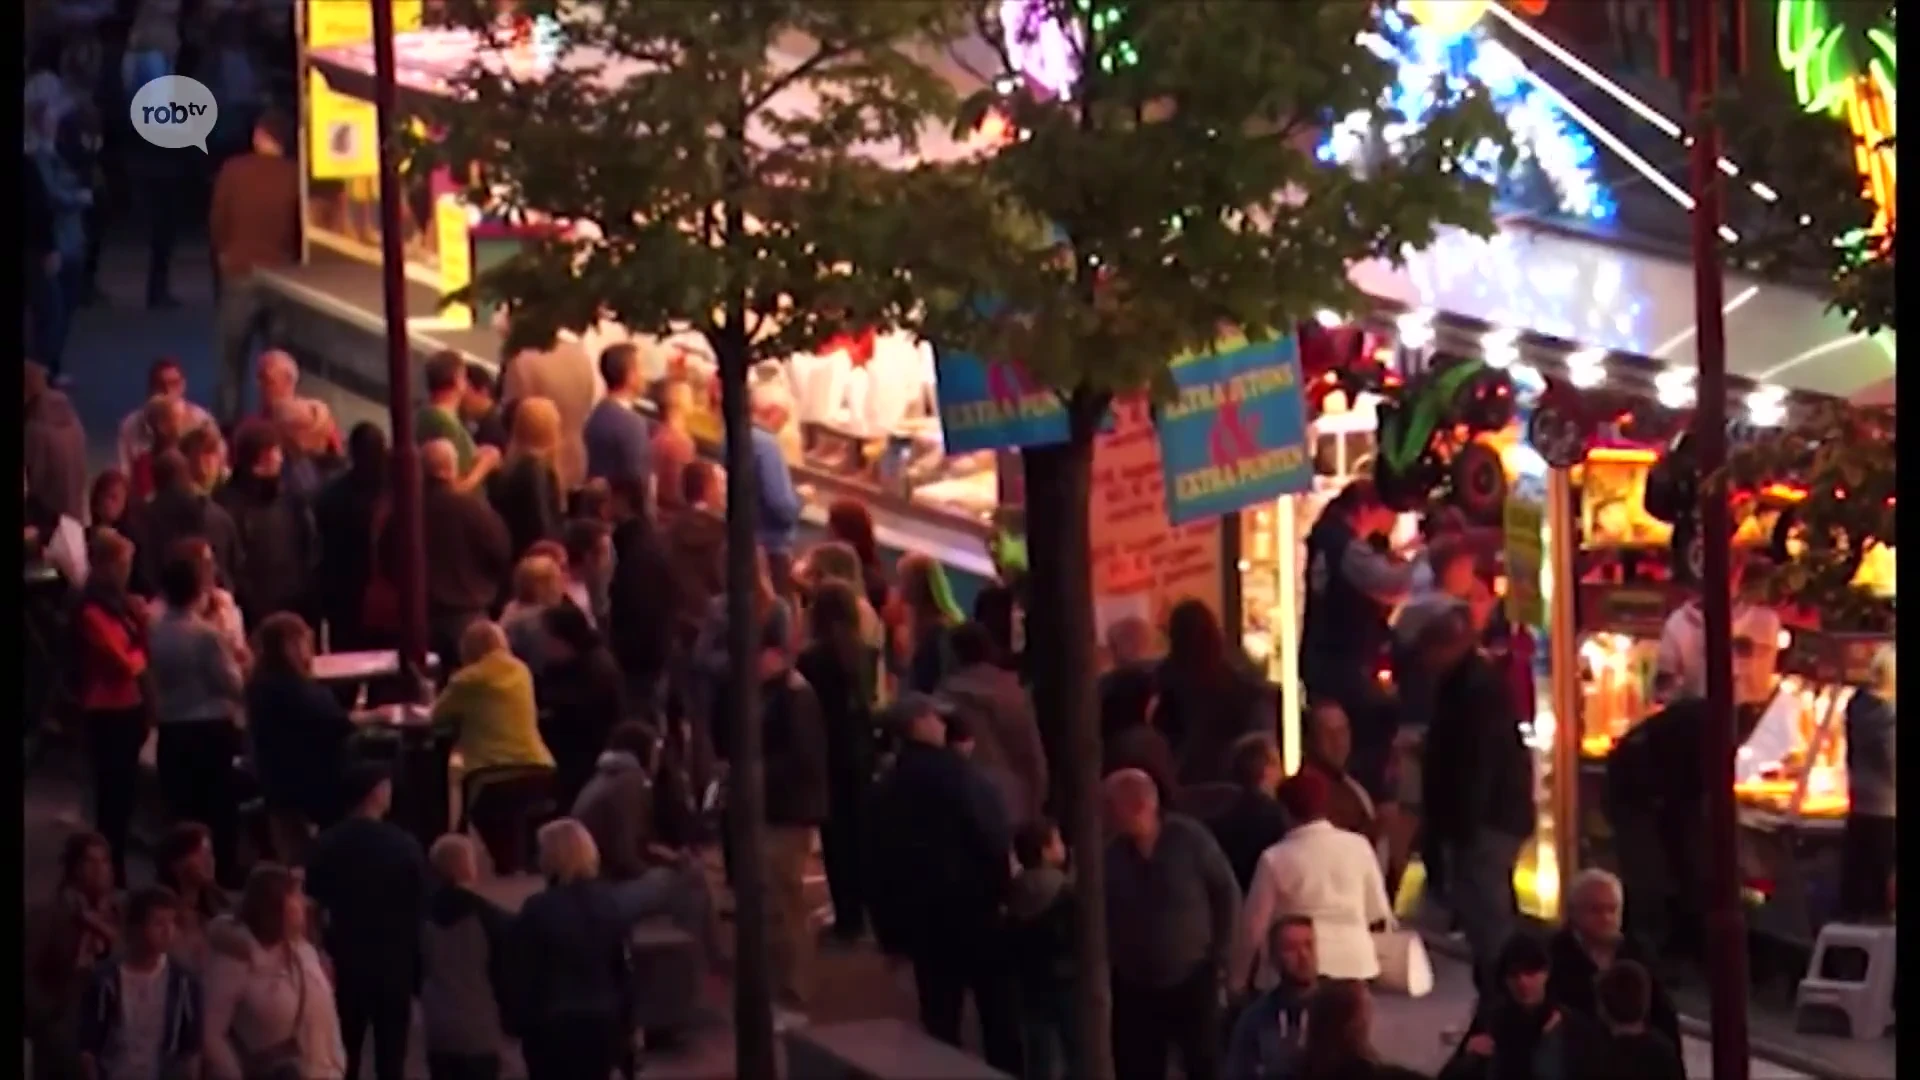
(719, 150)
(1843, 456)
(1820, 227)
(1177, 193)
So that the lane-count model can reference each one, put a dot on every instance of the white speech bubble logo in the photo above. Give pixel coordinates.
(174, 111)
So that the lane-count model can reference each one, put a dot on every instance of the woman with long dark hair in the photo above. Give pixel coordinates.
(300, 734)
(841, 667)
(1209, 695)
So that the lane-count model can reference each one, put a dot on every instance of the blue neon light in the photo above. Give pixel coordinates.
(1554, 152)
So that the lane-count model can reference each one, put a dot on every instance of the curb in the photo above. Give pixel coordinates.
(1760, 1048)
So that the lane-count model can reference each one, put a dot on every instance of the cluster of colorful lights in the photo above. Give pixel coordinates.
(1549, 143)
(1047, 53)
(1855, 78)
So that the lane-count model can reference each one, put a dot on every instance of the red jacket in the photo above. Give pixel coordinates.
(113, 657)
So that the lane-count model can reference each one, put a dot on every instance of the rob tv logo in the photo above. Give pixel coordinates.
(173, 112)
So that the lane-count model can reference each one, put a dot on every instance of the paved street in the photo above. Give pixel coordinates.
(110, 351)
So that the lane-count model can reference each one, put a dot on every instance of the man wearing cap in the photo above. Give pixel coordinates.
(1654, 796)
(1352, 590)
(941, 868)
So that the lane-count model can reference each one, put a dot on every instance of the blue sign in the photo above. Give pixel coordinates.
(995, 405)
(1237, 433)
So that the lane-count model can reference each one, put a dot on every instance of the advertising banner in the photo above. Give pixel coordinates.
(995, 405)
(1142, 566)
(1237, 433)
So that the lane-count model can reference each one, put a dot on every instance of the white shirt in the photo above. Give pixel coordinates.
(256, 1003)
(1683, 644)
(1329, 875)
(143, 1023)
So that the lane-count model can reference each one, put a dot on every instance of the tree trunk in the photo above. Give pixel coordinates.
(1060, 628)
(746, 776)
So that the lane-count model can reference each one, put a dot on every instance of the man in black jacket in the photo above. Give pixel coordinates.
(178, 511)
(370, 879)
(1480, 800)
(941, 870)
(472, 554)
(1255, 821)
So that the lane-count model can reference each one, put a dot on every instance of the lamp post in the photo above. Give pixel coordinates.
(1726, 939)
(404, 464)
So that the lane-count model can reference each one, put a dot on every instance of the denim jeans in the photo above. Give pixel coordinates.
(679, 894)
(1480, 890)
(51, 310)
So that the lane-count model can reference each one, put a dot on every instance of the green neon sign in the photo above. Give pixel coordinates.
(1824, 58)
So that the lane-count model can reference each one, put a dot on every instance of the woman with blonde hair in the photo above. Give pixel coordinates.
(539, 584)
(838, 561)
(1866, 858)
(931, 614)
(570, 996)
(527, 492)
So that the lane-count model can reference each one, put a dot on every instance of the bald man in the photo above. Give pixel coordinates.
(469, 554)
(1172, 911)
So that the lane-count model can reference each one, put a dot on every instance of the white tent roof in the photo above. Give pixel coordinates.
(1629, 301)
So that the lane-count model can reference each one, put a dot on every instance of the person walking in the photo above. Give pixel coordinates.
(1867, 852)
(464, 972)
(940, 878)
(370, 881)
(300, 733)
(1254, 821)
(1172, 910)
(571, 995)
(1326, 873)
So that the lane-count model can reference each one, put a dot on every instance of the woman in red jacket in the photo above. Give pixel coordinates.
(111, 669)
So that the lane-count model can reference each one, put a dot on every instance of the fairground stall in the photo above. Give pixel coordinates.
(864, 421)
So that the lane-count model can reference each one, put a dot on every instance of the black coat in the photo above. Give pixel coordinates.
(1571, 986)
(1255, 822)
(171, 516)
(300, 734)
(1202, 719)
(470, 553)
(643, 598)
(939, 845)
(793, 742)
(526, 494)
(570, 959)
(847, 715)
(580, 702)
(344, 515)
(1474, 744)
(278, 545)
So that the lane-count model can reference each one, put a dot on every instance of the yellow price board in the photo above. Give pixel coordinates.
(456, 257)
(342, 133)
(1525, 527)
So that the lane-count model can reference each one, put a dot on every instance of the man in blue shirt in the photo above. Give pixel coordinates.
(619, 438)
(779, 516)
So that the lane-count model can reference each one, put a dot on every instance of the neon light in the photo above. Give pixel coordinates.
(1546, 134)
(1828, 77)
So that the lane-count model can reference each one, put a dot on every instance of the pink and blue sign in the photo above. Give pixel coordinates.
(1237, 433)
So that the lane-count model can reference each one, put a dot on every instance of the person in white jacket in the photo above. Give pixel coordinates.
(1324, 873)
(269, 1003)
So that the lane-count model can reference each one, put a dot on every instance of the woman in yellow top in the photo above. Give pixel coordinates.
(489, 704)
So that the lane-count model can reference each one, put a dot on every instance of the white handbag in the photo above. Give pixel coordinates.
(1405, 967)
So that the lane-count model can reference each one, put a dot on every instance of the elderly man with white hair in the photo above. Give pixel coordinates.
(1590, 942)
(779, 518)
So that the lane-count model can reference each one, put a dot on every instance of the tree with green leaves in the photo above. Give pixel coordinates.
(733, 159)
(1170, 197)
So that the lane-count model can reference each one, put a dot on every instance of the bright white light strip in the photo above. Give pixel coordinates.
(1498, 347)
(1811, 354)
(1615, 91)
(1674, 387)
(1587, 368)
(1416, 329)
(1739, 301)
(1608, 138)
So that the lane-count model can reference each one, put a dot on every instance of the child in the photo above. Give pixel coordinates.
(1040, 915)
(1624, 993)
(141, 1018)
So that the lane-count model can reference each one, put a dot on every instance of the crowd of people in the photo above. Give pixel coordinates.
(574, 584)
(85, 169)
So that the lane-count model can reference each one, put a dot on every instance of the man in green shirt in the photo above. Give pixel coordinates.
(439, 418)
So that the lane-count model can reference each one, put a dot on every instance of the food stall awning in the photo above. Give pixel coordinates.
(1632, 302)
